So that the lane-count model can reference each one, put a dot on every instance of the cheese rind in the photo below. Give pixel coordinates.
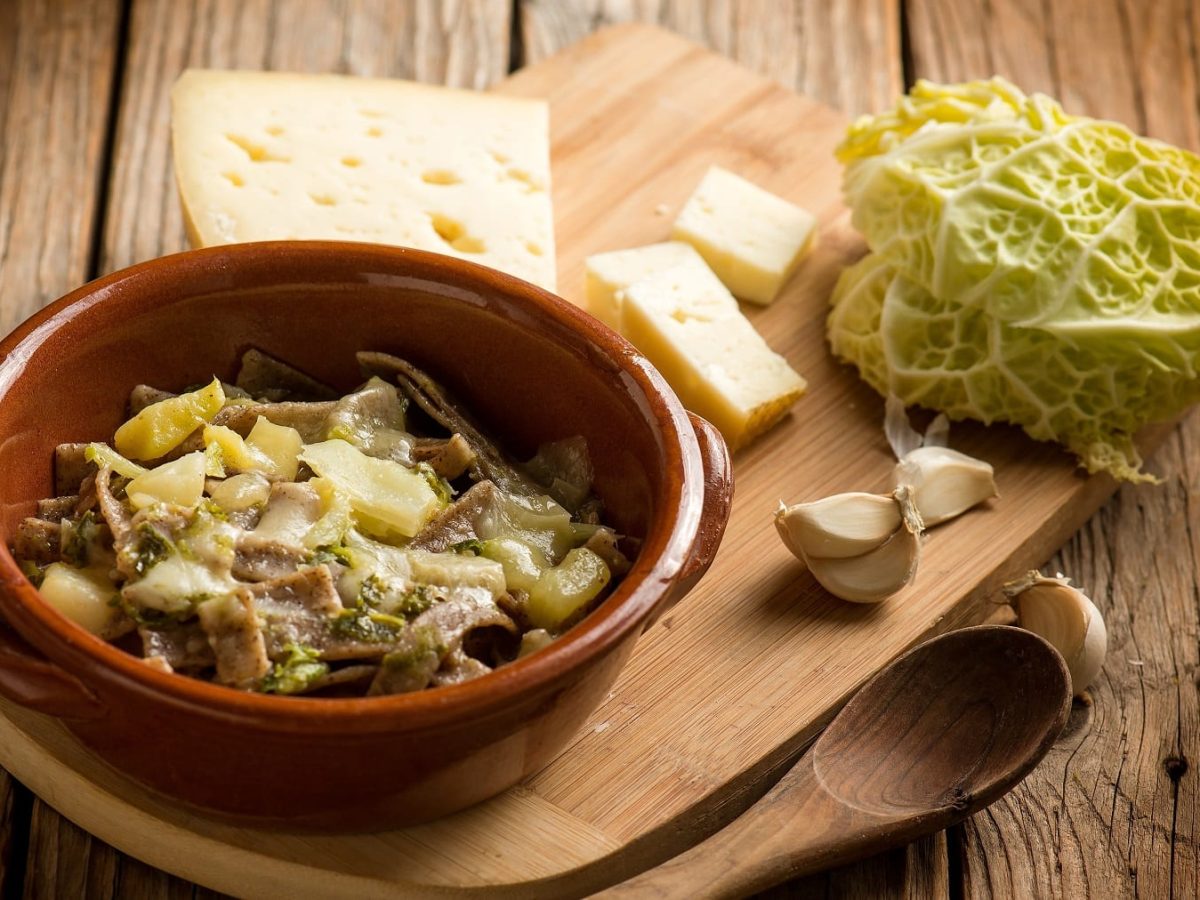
(751, 238)
(270, 156)
(720, 367)
(609, 275)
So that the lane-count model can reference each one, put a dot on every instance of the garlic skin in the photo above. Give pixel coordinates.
(1067, 618)
(874, 576)
(945, 483)
(838, 527)
(860, 547)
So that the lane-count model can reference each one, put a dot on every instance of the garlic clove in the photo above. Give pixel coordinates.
(838, 527)
(945, 483)
(873, 576)
(1066, 617)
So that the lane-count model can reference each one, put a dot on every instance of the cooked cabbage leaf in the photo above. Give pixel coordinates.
(1027, 266)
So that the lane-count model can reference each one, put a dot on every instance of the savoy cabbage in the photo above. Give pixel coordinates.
(1026, 266)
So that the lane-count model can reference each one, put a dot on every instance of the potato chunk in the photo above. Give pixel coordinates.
(278, 443)
(180, 482)
(81, 595)
(385, 496)
(163, 426)
(566, 589)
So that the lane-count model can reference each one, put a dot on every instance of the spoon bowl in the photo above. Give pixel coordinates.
(953, 722)
(945, 730)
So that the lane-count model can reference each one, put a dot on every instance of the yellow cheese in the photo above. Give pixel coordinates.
(720, 367)
(608, 274)
(269, 156)
(751, 238)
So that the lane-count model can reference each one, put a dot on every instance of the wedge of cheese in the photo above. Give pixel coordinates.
(610, 274)
(265, 156)
(720, 367)
(751, 238)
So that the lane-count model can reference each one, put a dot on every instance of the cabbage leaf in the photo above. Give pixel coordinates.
(1026, 266)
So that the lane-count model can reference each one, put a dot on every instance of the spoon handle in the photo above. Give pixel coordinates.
(794, 829)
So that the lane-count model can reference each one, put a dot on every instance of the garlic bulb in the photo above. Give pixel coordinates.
(945, 483)
(873, 576)
(860, 547)
(1067, 618)
(838, 527)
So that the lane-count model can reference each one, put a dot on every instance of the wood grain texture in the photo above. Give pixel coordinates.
(724, 691)
(65, 861)
(842, 52)
(1112, 812)
(460, 43)
(463, 43)
(57, 65)
(965, 715)
(56, 70)
(1114, 829)
(16, 804)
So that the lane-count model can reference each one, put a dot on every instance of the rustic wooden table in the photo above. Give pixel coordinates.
(1113, 810)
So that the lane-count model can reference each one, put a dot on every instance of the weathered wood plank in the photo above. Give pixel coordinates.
(56, 70)
(16, 804)
(458, 42)
(845, 53)
(1112, 811)
(916, 872)
(65, 861)
(463, 44)
(57, 63)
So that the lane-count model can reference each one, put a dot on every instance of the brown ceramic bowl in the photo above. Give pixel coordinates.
(531, 366)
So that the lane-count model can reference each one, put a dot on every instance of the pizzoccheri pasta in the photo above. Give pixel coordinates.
(273, 536)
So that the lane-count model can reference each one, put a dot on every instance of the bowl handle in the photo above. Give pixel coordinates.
(29, 679)
(714, 514)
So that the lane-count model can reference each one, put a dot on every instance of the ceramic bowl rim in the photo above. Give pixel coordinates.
(77, 651)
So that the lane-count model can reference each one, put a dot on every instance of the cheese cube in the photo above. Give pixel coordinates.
(269, 156)
(752, 239)
(720, 367)
(609, 274)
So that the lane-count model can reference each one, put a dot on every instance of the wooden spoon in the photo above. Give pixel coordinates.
(943, 731)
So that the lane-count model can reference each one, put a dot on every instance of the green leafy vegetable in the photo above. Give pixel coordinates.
(366, 625)
(31, 570)
(150, 548)
(439, 485)
(302, 667)
(1027, 266)
(372, 592)
(76, 538)
(471, 547)
(414, 602)
(151, 617)
(330, 553)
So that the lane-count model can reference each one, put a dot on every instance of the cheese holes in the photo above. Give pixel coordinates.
(257, 152)
(351, 162)
(275, 130)
(323, 199)
(439, 176)
(233, 178)
(534, 249)
(374, 131)
(453, 233)
(522, 177)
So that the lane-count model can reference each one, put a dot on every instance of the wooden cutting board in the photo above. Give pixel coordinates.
(730, 685)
